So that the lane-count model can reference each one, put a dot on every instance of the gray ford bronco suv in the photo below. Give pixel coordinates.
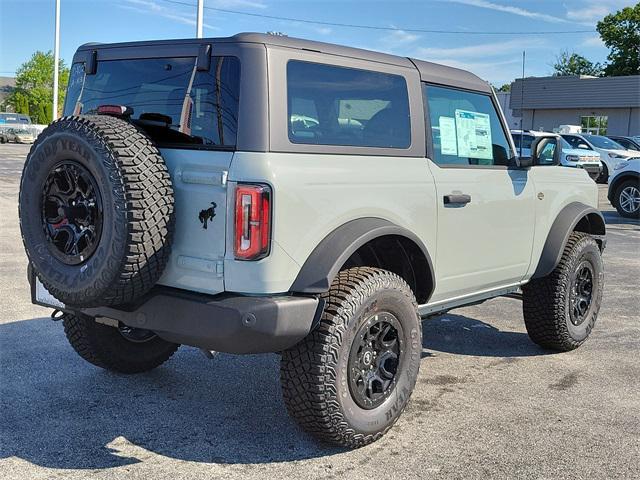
(259, 194)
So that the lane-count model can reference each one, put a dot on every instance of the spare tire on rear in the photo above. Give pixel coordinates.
(96, 211)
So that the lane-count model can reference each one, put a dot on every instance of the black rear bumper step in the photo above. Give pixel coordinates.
(225, 323)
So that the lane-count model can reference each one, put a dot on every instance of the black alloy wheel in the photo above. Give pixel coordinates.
(374, 358)
(581, 292)
(71, 213)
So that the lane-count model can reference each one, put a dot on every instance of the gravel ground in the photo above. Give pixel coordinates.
(488, 403)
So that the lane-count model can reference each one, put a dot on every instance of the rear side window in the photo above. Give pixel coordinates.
(176, 104)
(465, 128)
(329, 105)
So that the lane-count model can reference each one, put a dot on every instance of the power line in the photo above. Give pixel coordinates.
(377, 27)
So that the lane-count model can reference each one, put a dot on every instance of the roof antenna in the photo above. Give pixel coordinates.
(522, 105)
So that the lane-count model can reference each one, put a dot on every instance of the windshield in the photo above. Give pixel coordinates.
(604, 142)
(566, 145)
(174, 102)
(527, 140)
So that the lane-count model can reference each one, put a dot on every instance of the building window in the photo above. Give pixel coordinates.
(594, 125)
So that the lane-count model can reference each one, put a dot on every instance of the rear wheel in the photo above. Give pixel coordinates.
(627, 198)
(350, 379)
(121, 349)
(561, 309)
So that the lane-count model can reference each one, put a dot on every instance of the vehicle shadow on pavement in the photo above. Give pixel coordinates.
(58, 411)
(467, 336)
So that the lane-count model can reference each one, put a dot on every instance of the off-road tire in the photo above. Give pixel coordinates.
(105, 347)
(138, 210)
(632, 182)
(546, 301)
(314, 375)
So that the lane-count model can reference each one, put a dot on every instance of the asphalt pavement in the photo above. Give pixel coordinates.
(488, 402)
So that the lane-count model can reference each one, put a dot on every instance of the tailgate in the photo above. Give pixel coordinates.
(200, 190)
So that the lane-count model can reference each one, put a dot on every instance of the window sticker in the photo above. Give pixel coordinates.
(474, 135)
(448, 145)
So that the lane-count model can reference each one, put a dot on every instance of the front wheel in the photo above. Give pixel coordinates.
(561, 309)
(350, 379)
(627, 199)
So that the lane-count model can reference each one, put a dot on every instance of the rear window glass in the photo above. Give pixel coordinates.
(331, 105)
(171, 100)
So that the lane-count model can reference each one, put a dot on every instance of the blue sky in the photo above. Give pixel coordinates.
(27, 25)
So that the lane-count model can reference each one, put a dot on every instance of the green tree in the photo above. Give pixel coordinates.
(33, 94)
(505, 88)
(620, 32)
(574, 64)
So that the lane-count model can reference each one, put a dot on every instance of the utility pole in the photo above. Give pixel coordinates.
(56, 60)
(199, 18)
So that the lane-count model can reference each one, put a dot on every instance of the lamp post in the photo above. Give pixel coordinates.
(199, 18)
(56, 59)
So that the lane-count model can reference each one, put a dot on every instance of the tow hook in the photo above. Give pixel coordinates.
(210, 354)
(56, 315)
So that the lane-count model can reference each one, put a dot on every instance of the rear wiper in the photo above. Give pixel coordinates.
(158, 119)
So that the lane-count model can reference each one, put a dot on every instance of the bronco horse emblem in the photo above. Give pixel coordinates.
(208, 214)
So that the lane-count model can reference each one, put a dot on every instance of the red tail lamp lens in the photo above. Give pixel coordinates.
(253, 222)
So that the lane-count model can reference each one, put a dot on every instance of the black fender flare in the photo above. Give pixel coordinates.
(325, 261)
(565, 223)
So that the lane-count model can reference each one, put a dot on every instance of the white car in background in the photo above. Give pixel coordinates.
(611, 153)
(588, 160)
(624, 188)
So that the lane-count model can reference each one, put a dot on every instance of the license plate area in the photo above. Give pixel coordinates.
(41, 296)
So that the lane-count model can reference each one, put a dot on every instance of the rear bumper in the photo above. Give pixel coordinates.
(224, 323)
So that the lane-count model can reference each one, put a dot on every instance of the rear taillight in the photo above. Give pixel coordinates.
(252, 234)
(115, 110)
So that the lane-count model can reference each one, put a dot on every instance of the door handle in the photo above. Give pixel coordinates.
(457, 199)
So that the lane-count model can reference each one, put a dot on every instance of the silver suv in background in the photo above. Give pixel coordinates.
(611, 152)
(624, 189)
(569, 156)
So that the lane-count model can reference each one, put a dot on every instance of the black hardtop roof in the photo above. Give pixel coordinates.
(429, 72)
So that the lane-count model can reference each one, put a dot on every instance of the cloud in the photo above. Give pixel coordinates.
(483, 50)
(151, 7)
(594, 41)
(397, 39)
(588, 12)
(498, 72)
(511, 9)
(400, 37)
(323, 30)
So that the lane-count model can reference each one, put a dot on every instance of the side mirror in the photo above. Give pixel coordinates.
(545, 150)
(524, 162)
